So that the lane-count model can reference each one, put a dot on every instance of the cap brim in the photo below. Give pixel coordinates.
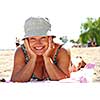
(53, 36)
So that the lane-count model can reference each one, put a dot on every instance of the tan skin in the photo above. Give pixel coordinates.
(41, 51)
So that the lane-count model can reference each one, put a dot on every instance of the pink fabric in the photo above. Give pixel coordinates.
(90, 66)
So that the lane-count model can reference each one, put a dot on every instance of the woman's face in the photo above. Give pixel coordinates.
(39, 44)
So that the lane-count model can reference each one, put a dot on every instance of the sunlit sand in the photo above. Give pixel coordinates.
(48, 90)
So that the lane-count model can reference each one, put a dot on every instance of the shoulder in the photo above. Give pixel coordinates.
(19, 59)
(19, 53)
(66, 50)
(62, 51)
(19, 50)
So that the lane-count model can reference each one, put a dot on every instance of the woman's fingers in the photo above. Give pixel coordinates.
(27, 47)
(26, 44)
(51, 45)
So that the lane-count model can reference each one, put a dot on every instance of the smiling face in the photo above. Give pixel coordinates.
(39, 44)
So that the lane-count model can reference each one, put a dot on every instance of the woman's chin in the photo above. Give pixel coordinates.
(39, 53)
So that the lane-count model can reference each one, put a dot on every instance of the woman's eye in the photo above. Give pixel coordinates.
(43, 39)
(32, 40)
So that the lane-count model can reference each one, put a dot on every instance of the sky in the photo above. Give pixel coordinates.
(65, 17)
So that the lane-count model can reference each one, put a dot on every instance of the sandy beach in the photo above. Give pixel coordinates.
(6, 63)
(52, 90)
(90, 55)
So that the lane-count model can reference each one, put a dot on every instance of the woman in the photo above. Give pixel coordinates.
(39, 57)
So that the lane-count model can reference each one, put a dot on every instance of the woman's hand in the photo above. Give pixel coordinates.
(31, 54)
(50, 48)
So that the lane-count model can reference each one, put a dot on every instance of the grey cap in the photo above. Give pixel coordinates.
(36, 26)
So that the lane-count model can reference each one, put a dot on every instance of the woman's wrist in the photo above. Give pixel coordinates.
(48, 59)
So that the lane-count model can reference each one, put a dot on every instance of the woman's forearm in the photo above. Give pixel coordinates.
(54, 71)
(25, 73)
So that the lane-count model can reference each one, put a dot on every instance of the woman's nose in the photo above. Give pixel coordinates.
(38, 41)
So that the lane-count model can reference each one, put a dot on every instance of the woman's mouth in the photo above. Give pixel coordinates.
(38, 48)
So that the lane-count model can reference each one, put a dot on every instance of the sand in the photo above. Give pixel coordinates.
(48, 90)
(6, 63)
(90, 55)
